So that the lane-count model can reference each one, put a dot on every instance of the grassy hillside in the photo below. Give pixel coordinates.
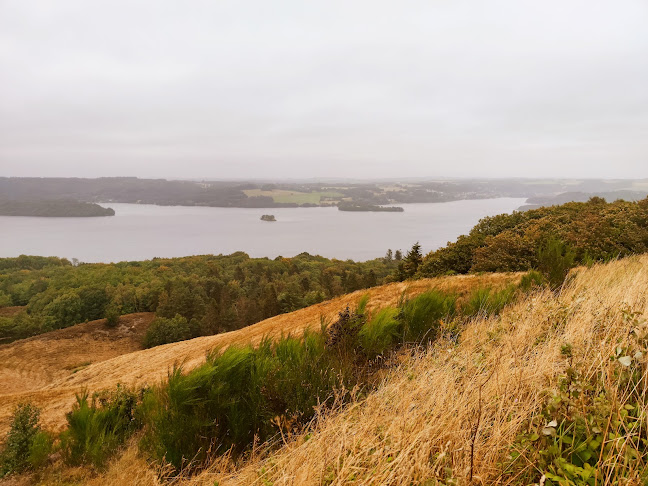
(517, 399)
(139, 368)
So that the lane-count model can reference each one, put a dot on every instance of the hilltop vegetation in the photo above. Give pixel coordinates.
(552, 391)
(50, 368)
(565, 197)
(191, 296)
(581, 232)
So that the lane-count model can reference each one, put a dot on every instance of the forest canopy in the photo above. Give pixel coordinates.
(209, 294)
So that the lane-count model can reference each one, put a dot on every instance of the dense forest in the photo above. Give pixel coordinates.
(191, 296)
(57, 208)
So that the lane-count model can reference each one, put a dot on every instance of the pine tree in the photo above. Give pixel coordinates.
(412, 261)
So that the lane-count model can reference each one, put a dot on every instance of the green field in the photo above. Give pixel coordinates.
(282, 196)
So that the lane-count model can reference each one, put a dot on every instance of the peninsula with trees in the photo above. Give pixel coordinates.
(349, 206)
(57, 208)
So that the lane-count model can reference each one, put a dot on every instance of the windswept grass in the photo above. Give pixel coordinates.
(248, 395)
(477, 406)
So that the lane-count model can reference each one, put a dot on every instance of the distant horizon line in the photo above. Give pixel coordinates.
(340, 179)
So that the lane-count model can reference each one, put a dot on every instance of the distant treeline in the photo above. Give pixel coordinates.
(205, 294)
(133, 190)
(232, 193)
(53, 208)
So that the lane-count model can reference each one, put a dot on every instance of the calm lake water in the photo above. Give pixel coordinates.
(141, 232)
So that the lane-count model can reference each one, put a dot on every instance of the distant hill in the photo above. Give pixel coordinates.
(251, 194)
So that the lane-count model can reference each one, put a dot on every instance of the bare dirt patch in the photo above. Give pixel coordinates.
(11, 311)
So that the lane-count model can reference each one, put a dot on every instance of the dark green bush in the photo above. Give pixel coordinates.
(531, 280)
(40, 449)
(97, 427)
(112, 315)
(381, 333)
(555, 258)
(240, 395)
(163, 331)
(25, 446)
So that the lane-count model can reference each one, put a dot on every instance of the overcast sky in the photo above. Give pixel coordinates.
(235, 89)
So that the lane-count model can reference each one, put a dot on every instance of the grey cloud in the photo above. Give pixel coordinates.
(373, 89)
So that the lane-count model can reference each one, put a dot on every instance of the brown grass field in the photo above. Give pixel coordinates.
(417, 426)
(50, 369)
(34, 364)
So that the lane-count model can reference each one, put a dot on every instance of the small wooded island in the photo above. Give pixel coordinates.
(57, 208)
(268, 217)
(350, 206)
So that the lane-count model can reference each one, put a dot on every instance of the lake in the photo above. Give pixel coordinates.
(141, 232)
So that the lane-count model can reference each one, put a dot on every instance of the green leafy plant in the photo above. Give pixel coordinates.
(26, 445)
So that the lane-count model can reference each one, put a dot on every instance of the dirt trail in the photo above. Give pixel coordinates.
(49, 370)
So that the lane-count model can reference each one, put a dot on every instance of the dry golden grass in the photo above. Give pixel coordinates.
(49, 372)
(30, 365)
(417, 426)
